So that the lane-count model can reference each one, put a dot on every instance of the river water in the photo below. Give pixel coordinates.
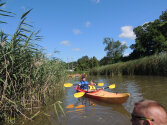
(85, 111)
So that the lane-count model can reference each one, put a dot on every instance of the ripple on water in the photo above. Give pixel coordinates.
(98, 117)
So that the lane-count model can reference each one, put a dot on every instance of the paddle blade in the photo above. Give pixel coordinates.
(68, 85)
(112, 86)
(80, 106)
(70, 106)
(79, 94)
(100, 84)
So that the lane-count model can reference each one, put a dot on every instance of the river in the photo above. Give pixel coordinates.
(85, 111)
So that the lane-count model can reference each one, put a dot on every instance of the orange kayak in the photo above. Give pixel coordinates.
(109, 97)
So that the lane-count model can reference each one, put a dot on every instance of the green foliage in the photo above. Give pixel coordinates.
(26, 76)
(151, 65)
(58, 103)
(151, 38)
(85, 63)
(114, 49)
(163, 16)
(93, 62)
(4, 13)
(82, 63)
(106, 61)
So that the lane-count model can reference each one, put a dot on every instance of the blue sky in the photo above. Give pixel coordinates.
(77, 27)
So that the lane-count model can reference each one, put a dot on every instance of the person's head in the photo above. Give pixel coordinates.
(149, 112)
(92, 83)
(83, 79)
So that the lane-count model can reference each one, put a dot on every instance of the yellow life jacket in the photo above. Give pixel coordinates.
(91, 87)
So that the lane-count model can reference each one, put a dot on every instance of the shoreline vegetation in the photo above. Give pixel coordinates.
(27, 76)
(147, 56)
(151, 65)
(29, 80)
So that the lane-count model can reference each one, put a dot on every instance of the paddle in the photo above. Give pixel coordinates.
(70, 84)
(80, 94)
(110, 86)
(100, 84)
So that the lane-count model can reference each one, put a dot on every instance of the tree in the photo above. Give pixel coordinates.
(163, 17)
(151, 38)
(86, 63)
(93, 62)
(106, 61)
(114, 49)
(82, 64)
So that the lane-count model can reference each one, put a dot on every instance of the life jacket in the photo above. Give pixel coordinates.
(84, 84)
(92, 87)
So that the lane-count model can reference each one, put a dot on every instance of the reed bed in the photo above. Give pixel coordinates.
(27, 77)
(151, 65)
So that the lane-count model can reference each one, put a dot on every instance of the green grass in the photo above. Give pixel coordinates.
(27, 77)
(152, 65)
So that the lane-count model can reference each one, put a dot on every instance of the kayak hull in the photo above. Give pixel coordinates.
(109, 97)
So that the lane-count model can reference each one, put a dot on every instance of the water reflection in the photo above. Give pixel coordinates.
(89, 111)
(96, 112)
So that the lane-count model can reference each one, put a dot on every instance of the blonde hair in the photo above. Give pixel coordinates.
(91, 81)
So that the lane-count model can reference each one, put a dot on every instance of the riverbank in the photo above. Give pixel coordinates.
(27, 76)
(151, 65)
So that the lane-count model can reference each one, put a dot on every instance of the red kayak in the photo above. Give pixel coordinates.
(109, 97)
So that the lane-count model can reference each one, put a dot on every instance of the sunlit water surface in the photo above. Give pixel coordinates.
(85, 111)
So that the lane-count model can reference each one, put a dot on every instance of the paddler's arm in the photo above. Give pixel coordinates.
(100, 88)
(87, 84)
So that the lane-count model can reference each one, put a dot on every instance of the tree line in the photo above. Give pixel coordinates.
(151, 38)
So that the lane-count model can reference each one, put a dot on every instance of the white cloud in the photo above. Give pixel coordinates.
(65, 42)
(126, 54)
(76, 49)
(145, 23)
(127, 32)
(123, 42)
(49, 55)
(87, 24)
(76, 31)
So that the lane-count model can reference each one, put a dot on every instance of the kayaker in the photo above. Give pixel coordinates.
(83, 84)
(148, 112)
(92, 86)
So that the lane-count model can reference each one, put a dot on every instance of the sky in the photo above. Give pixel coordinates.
(77, 28)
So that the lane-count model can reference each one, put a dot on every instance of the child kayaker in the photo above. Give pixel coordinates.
(92, 86)
(83, 83)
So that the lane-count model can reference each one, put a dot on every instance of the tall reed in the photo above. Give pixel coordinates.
(26, 75)
(152, 65)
